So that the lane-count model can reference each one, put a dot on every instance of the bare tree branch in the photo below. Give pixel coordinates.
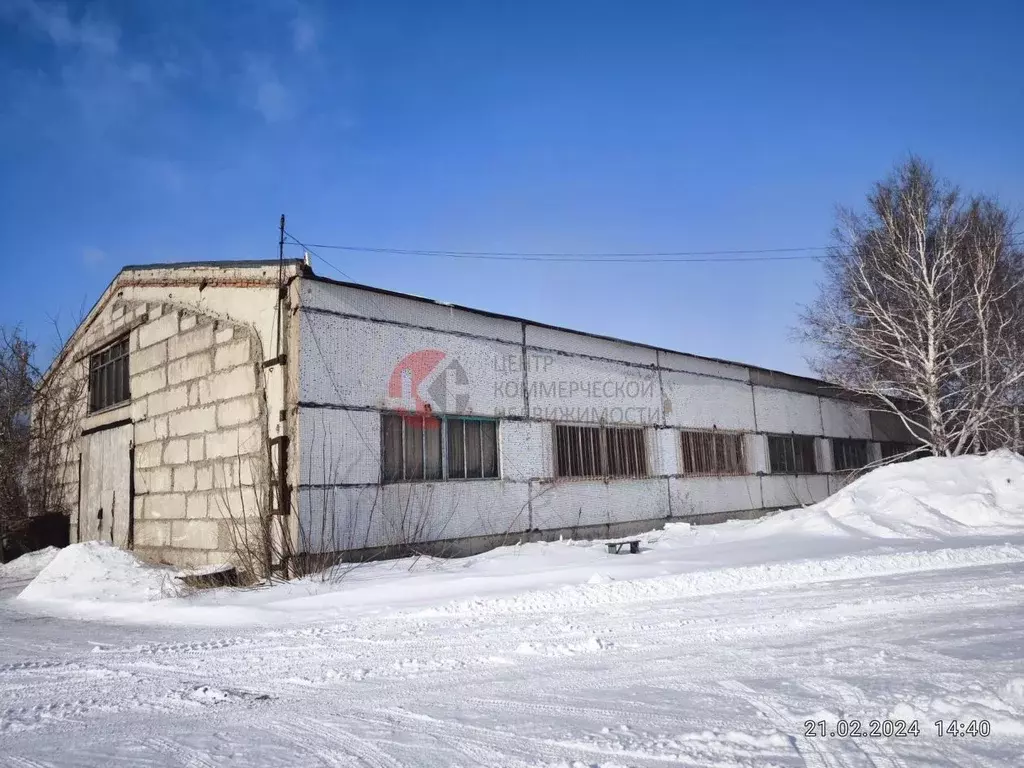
(922, 311)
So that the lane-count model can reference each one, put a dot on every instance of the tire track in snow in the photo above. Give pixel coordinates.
(574, 706)
(184, 755)
(330, 743)
(697, 748)
(33, 666)
(397, 682)
(480, 751)
(677, 660)
(853, 700)
(172, 654)
(184, 649)
(814, 755)
(18, 761)
(481, 743)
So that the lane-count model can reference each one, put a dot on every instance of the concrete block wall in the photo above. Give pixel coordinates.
(199, 417)
(200, 451)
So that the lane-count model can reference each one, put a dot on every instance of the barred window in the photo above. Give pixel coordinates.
(793, 454)
(600, 451)
(108, 376)
(412, 447)
(900, 451)
(626, 452)
(849, 454)
(472, 447)
(713, 453)
(577, 451)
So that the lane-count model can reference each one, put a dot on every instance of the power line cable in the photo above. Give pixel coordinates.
(625, 257)
(754, 254)
(310, 250)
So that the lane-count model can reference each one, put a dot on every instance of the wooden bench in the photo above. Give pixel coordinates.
(615, 547)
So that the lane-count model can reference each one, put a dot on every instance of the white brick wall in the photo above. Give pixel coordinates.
(158, 329)
(147, 382)
(227, 384)
(192, 421)
(188, 368)
(194, 534)
(149, 357)
(175, 452)
(231, 355)
(235, 412)
(198, 437)
(197, 340)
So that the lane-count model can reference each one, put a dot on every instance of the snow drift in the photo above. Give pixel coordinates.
(931, 498)
(95, 570)
(930, 514)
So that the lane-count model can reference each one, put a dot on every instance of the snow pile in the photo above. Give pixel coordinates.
(928, 515)
(28, 565)
(95, 570)
(930, 498)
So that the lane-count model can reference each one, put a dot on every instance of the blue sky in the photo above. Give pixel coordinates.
(138, 132)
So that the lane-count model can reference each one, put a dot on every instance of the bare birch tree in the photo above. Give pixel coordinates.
(922, 310)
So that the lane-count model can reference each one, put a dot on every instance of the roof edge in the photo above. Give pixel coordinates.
(215, 263)
(104, 294)
(810, 380)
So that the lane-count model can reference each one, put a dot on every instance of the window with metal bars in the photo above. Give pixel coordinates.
(713, 453)
(600, 451)
(427, 447)
(898, 451)
(849, 454)
(791, 454)
(108, 376)
(472, 448)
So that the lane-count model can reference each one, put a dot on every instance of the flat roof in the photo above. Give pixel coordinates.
(308, 272)
(243, 263)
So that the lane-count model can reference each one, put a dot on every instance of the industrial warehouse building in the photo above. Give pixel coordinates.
(232, 405)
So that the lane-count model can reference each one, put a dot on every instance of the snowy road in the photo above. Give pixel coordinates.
(700, 680)
(901, 598)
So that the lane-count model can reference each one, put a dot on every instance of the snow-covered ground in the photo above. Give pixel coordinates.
(900, 598)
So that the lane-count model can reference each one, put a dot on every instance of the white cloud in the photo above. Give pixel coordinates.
(273, 100)
(266, 93)
(304, 35)
(89, 33)
(99, 36)
(93, 75)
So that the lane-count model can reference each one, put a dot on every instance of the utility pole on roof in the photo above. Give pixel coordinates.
(280, 285)
(280, 251)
